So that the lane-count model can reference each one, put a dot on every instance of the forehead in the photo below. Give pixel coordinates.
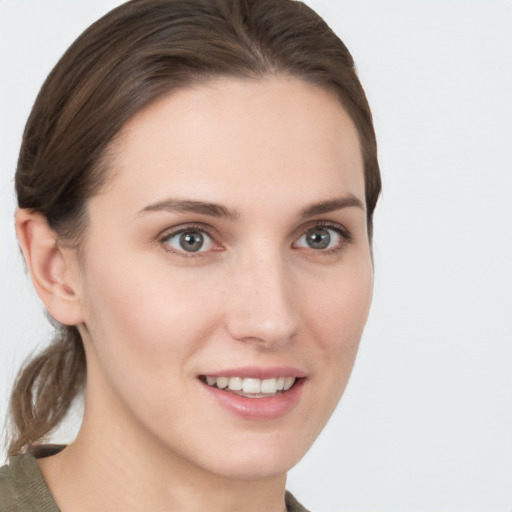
(233, 137)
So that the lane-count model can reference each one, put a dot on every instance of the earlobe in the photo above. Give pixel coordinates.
(52, 269)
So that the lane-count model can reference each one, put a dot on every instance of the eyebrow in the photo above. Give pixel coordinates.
(331, 205)
(220, 211)
(189, 206)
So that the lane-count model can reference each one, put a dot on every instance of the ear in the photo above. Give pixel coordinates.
(54, 270)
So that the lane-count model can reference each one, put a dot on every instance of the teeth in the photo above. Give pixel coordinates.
(269, 386)
(235, 383)
(252, 386)
(288, 383)
(222, 382)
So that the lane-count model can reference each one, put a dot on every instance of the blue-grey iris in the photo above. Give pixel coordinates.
(318, 238)
(191, 241)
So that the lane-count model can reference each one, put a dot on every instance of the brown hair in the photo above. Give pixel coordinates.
(135, 54)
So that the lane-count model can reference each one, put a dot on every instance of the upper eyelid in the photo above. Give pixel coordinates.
(212, 231)
(175, 230)
(321, 223)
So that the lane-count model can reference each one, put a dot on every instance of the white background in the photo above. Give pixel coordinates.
(426, 422)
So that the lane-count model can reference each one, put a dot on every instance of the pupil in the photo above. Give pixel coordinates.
(318, 239)
(191, 241)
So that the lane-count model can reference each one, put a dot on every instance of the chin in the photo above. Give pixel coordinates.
(256, 456)
(251, 466)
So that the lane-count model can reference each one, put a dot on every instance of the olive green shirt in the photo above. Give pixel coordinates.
(23, 489)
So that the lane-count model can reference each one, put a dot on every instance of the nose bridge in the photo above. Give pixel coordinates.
(262, 306)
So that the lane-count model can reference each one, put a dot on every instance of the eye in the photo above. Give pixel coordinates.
(189, 240)
(321, 238)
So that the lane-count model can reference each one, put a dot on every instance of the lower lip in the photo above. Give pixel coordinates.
(266, 408)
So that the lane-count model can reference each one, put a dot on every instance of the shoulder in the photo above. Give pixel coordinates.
(22, 487)
(292, 505)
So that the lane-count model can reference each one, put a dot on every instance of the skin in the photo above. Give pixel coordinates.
(154, 317)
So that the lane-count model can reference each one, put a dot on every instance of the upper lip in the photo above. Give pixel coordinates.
(258, 372)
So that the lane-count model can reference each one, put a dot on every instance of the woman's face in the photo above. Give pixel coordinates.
(229, 250)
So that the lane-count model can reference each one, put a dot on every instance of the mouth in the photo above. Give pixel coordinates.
(249, 387)
(256, 393)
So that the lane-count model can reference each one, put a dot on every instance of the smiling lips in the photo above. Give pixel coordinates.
(256, 393)
(251, 387)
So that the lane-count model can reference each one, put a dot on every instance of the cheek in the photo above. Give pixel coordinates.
(337, 308)
(145, 326)
(145, 317)
(336, 313)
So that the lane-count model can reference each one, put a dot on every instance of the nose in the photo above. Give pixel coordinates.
(262, 304)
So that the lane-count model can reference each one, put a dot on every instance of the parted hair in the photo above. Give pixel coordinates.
(137, 53)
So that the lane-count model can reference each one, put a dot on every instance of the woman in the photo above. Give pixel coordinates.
(196, 187)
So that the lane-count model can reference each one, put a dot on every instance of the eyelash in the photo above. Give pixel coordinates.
(175, 232)
(345, 235)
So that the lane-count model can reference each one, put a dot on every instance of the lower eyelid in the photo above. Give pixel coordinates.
(341, 232)
(164, 240)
